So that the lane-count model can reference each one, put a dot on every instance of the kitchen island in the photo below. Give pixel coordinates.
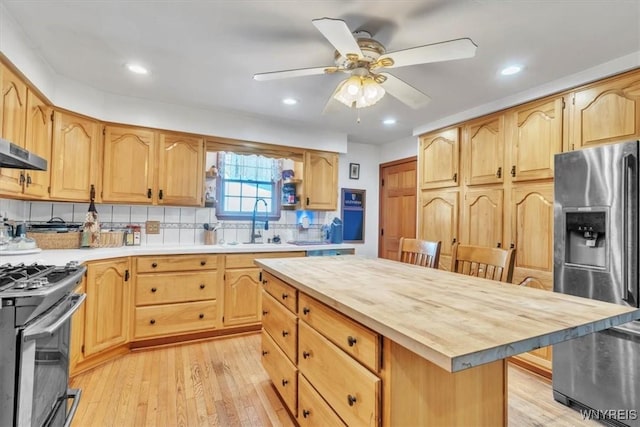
(442, 339)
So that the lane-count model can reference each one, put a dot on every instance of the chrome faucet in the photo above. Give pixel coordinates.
(253, 219)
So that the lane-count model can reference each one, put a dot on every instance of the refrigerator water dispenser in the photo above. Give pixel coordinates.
(586, 238)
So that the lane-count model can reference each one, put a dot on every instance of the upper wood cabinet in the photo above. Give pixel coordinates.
(142, 166)
(439, 153)
(438, 221)
(36, 124)
(536, 138)
(606, 112)
(483, 213)
(75, 157)
(13, 113)
(320, 186)
(483, 149)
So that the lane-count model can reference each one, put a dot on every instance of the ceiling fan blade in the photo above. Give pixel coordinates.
(339, 35)
(404, 92)
(273, 75)
(444, 51)
(332, 105)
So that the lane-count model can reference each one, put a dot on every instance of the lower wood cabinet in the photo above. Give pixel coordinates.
(282, 372)
(313, 410)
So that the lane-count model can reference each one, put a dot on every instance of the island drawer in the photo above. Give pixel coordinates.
(286, 294)
(156, 320)
(351, 390)
(175, 287)
(313, 411)
(246, 260)
(281, 324)
(154, 264)
(360, 342)
(282, 372)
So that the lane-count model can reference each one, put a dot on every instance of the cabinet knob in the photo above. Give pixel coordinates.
(265, 352)
(29, 180)
(152, 321)
(455, 177)
(306, 310)
(265, 312)
(203, 262)
(511, 246)
(148, 193)
(265, 281)
(454, 240)
(351, 399)
(154, 265)
(499, 172)
(153, 289)
(202, 285)
(307, 201)
(285, 296)
(351, 340)
(201, 315)
(305, 413)
(306, 354)
(284, 383)
(285, 333)
(513, 170)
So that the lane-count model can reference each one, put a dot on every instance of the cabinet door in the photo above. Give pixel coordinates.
(38, 141)
(537, 137)
(13, 113)
(107, 305)
(180, 170)
(129, 165)
(483, 151)
(242, 296)
(438, 220)
(439, 154)
(482, 221)
(75, 161)
(77, 331)
(320, 180)
(606, 112)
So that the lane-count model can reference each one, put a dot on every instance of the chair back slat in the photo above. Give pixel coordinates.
(479, 261)
(419, 252)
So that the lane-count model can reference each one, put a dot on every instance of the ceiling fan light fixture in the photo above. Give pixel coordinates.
(359, 92)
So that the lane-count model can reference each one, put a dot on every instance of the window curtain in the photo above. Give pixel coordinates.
(249, 167)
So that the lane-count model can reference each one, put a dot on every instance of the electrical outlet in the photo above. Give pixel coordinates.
(152, 227)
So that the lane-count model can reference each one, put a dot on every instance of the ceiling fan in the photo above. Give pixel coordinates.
(364, 59)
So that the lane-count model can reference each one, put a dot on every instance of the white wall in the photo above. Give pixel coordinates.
(399, 149)
(368, 157)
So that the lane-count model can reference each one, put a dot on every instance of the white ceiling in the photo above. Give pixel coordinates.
(203, 53)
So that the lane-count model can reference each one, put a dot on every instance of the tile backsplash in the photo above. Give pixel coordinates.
(178, 225)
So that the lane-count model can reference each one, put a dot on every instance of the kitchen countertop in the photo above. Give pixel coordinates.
(62, 256)
(450, 319)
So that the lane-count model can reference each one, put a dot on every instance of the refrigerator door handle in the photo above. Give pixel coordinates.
(629, 200)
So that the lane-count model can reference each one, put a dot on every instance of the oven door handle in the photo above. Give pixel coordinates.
(48, 331)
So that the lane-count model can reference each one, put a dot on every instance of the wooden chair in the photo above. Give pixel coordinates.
(481, 261)
(419, 252)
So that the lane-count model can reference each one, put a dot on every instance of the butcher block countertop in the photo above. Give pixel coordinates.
(454, 321)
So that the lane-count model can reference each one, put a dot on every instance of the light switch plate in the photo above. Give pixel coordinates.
(152, 227)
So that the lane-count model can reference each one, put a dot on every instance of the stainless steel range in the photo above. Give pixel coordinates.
(36, 304)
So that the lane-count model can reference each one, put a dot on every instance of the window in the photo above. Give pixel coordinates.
(243, 180)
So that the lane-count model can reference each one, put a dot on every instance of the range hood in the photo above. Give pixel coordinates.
(14, 157)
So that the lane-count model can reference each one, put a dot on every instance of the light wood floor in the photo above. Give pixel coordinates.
(221, 383)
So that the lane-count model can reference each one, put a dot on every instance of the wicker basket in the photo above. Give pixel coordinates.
(111, 239)
(69, 240)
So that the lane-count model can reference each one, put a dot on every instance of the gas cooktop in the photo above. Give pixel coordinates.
(36, 279)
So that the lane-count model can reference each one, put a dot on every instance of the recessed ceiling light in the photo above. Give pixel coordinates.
(389, 122)
(137, 69)
(512, 69)
(289, 101)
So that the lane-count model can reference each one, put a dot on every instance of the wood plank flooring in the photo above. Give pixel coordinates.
(221, 382)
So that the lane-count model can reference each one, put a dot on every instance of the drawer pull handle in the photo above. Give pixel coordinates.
(153, 289)
(352, 341)
(306, 354)
(154, 265)
(284, 383)
(285, 333)
(265, 312)
(265, 352)
(201, 315)
(265, 281)
(351, 399)
(202, 285)
(285, 296)
(306, 310)
(305, 413)
(203, 263)
(152, 321)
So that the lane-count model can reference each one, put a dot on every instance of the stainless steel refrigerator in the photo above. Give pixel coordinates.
(596, 256)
